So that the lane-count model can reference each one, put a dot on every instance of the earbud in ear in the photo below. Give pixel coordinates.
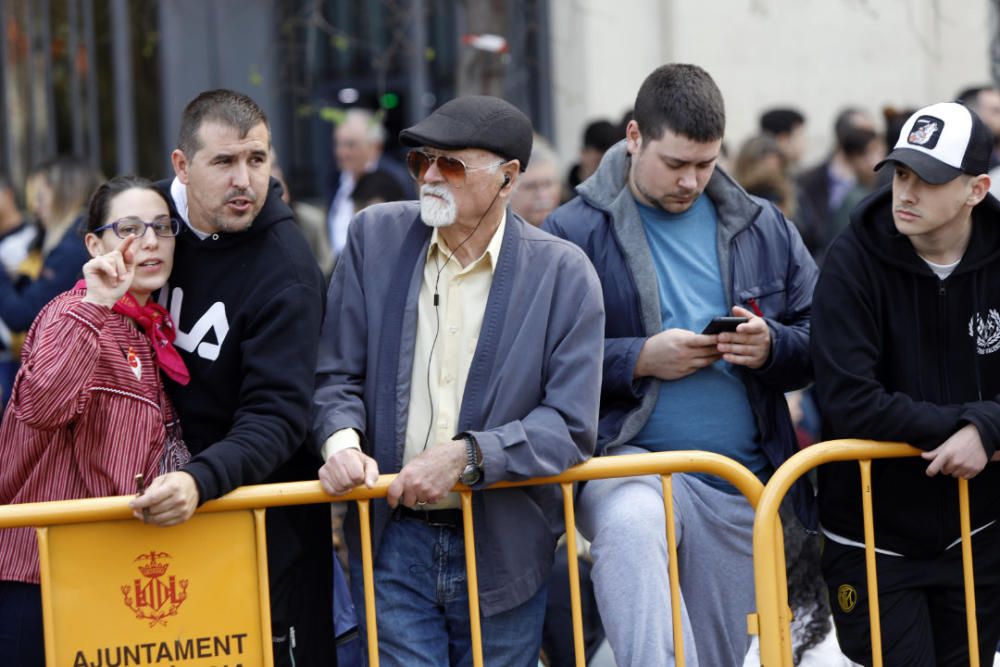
(506, 180)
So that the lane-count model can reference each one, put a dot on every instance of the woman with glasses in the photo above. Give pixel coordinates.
(88, 412)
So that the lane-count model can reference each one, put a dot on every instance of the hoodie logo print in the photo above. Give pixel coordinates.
(213, 321)
(986, 332)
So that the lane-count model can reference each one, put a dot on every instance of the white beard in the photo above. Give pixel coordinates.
(437, 212)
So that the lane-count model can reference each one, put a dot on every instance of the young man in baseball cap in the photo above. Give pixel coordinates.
(906, 347)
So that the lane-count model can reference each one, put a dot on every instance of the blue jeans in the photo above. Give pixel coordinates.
(22, 640)
(422, 604)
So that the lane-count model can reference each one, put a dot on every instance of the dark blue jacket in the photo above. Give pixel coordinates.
(764, 265)
(22, 300)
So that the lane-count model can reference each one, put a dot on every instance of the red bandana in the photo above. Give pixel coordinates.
(155, 321)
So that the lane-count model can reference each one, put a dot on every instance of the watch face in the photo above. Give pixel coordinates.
(470, 475)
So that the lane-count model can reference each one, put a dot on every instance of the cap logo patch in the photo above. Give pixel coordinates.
(926, 131)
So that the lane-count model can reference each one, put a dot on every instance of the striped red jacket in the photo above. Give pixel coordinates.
(84, 417)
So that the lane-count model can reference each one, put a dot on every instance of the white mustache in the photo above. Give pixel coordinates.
(437, 191)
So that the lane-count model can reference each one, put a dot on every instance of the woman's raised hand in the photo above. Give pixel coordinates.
(110, 275)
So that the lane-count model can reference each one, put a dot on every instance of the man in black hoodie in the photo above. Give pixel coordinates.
(906, 347)
(246, 297)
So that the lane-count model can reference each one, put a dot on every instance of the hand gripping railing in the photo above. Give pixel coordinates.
(774, 616)
(302, 493)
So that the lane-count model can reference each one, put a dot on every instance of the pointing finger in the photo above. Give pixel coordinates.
(119, 267)
(125, 248)
(125, 244)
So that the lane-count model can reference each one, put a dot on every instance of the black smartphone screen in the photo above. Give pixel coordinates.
(720, 324)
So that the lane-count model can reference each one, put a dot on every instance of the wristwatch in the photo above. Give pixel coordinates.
(473, 462)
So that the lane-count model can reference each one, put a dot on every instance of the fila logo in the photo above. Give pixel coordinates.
(214, 319)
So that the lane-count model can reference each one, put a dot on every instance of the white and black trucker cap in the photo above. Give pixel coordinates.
(941, 142)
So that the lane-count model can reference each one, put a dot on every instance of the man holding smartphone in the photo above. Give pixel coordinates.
(678, 243)
(907, 348)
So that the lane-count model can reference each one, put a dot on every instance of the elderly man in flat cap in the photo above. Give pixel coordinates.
(461, 344)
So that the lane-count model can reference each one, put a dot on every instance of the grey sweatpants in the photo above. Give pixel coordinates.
(623, 518)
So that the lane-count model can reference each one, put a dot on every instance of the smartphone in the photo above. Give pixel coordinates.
(720, 324)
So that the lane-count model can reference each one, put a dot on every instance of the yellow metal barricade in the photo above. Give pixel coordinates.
(773, 614)
(661, 463)
(299, 493)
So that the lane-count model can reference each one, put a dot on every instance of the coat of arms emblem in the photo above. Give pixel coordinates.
(154, 597)
(986, 331)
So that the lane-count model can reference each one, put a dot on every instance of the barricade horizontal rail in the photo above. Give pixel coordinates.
(85, 510)
(773, 614)
(302, 493)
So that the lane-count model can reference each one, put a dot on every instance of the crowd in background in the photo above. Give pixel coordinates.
(42, 248)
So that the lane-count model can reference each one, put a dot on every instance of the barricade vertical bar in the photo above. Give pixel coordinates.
(784, 611)
(472, 578)
(967, 570)
(768, 583)
(46, 574)
(364, 515)
(869, 522)
(675, 591)
(569, 513)
(263, 584)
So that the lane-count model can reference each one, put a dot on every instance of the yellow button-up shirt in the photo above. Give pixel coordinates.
(443, 350)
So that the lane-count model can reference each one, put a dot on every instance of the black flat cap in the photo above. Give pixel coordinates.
(475, 121)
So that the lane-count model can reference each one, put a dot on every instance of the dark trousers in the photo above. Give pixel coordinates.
(300, 566)
(22, 642)
(557, 633)
(921, 603)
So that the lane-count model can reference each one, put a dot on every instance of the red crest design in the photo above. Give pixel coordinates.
(155, 597)
(134, 363)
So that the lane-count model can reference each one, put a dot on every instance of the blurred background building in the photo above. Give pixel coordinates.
(107, 79)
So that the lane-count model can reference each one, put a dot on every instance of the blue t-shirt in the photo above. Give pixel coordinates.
(708, 409)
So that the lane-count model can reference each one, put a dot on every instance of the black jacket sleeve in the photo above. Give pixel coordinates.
(275, 390)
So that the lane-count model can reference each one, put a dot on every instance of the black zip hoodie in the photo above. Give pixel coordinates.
(900, 355)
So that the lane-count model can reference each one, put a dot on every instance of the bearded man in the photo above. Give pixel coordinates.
(460, 344)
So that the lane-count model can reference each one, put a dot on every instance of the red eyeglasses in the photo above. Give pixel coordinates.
(452, 169)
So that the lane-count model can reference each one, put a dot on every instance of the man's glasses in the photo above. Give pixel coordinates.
(452, 169)
(163, 226)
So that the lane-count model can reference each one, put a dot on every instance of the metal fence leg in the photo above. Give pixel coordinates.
(675, 587)
(574, 573)
(472, 578)
(367, 567)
